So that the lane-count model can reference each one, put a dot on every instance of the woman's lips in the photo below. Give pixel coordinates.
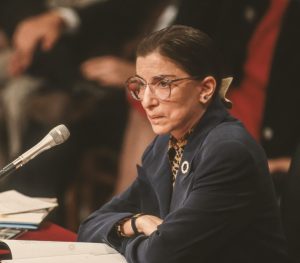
(154, 118)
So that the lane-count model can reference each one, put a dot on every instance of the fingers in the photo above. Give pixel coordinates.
(147, 224)
(108, 70)
(24, 43)
(93, 69)
(43, 30)
(100, 69)
(49, 40)
(26, 37)
(18, 63)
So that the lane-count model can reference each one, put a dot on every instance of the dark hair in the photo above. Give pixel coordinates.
(189, 48)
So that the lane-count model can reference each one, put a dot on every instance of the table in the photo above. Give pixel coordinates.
(47, 232)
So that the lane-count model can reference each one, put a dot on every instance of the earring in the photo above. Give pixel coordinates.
(203, 99)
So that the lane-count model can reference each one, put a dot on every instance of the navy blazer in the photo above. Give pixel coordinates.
(222, 207)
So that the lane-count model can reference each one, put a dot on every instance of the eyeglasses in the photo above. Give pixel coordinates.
(160, 86)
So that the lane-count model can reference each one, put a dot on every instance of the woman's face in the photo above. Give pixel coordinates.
(180, 112)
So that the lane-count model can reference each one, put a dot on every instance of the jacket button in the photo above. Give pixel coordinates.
(268, 133)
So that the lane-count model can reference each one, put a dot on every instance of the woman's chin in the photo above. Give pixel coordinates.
(160, 130)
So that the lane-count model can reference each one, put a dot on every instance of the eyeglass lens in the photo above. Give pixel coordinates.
(160, 87)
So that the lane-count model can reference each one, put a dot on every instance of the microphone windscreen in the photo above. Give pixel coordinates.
(59, 134)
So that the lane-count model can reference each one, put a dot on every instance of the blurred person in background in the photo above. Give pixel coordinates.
(107, 70)
(84, 39)
(54, 70)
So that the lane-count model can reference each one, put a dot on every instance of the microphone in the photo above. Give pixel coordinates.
(56, 136)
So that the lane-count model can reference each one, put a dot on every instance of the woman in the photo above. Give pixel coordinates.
(203, 193)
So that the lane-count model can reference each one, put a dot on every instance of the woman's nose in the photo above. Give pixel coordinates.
(149, 98)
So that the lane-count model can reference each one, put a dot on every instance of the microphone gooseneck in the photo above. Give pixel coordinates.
(56, 136)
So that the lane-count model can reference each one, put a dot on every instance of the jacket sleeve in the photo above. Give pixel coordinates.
(99, 226)
(220, 203)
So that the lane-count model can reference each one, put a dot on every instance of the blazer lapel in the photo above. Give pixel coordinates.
(183, 180)
(158, 166)
(184, 177)
(159, 175)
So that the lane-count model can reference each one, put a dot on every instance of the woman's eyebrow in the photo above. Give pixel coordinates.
(164, 76)
(137, 75)
(157, 76)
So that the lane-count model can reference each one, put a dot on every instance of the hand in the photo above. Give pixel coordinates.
(108, 70)
(279, 164)
(145, 224)
(43, 29)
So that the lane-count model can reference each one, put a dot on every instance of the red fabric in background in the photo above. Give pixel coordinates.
(249, 99)
(49, 232)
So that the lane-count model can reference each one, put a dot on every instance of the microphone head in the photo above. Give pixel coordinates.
(59, 134)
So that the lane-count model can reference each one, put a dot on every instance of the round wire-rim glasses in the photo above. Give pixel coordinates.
(160, 86)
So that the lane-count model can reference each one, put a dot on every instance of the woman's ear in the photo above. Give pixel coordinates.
(208, 88)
